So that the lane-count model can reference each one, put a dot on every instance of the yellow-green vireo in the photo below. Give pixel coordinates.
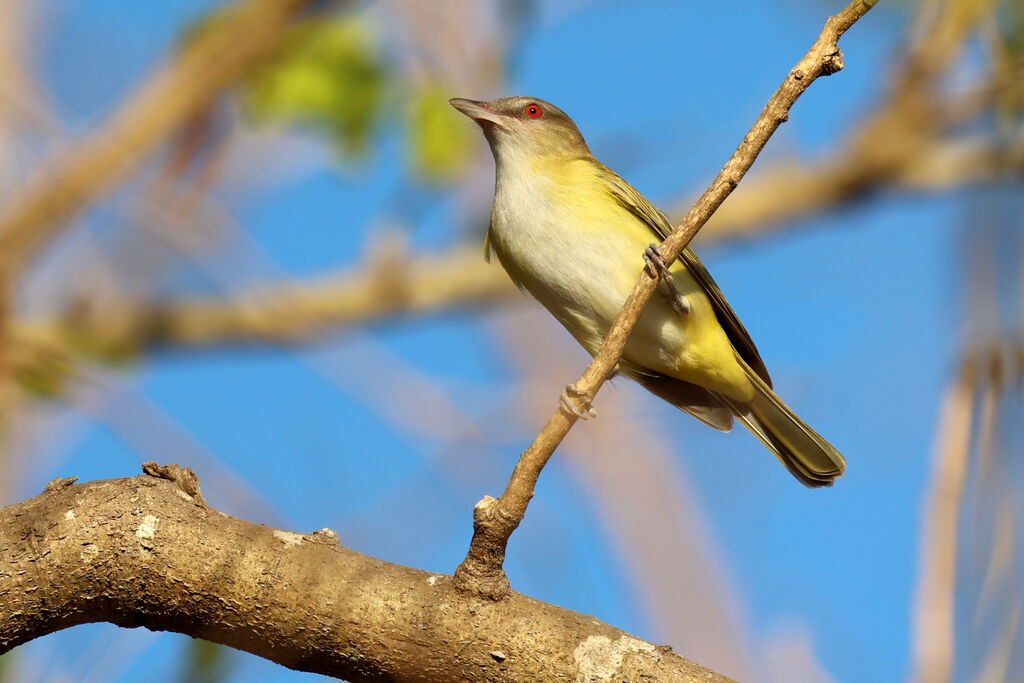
(575, 235)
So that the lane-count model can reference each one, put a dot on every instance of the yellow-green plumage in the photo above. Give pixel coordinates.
(573, 233)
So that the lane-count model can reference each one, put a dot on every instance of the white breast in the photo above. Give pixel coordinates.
(581, 273)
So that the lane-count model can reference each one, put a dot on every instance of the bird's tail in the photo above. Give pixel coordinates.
(809, 457)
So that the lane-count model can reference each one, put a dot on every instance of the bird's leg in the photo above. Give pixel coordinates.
(657, 268)
(566, 402)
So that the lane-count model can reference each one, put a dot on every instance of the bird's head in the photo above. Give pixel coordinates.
(525, 127)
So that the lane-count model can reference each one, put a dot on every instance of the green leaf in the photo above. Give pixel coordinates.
(7, 666)
(328, 77)
(43, 376)
(206, 662)
(439, 139)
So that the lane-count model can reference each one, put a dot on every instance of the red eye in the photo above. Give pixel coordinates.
(533, 111)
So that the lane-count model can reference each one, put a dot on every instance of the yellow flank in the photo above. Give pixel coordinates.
(708, 359)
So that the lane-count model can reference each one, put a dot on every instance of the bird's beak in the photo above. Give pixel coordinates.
(477, 111)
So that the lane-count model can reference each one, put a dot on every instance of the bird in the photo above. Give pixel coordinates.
(573, 234)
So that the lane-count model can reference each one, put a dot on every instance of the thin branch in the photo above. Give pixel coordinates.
(148, 551)
(494, 520)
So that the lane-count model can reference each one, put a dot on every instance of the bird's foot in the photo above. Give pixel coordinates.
(657, 268)
(571, 390)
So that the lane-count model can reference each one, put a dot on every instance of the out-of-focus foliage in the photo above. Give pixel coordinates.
(41, 373)
(206, 662)
(330, 76)
(439, 142)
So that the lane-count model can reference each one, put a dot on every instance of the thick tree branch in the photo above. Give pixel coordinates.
(147, 551)
(494, 520)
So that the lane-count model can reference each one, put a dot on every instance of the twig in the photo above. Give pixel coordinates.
(494, 520)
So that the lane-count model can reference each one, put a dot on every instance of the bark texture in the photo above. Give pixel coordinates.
(148, 551)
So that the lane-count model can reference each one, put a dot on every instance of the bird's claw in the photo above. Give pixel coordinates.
(655, 264)
(657, 268)
(566, 402)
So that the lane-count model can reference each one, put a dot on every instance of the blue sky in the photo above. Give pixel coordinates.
(852, 313)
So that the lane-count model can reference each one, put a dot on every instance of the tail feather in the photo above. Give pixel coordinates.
(808, 456)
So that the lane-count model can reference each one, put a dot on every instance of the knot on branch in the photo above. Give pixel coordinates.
(481, 572)
(832, 62)
(182, 477)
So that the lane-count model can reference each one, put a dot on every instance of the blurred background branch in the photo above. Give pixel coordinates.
(968, 597)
